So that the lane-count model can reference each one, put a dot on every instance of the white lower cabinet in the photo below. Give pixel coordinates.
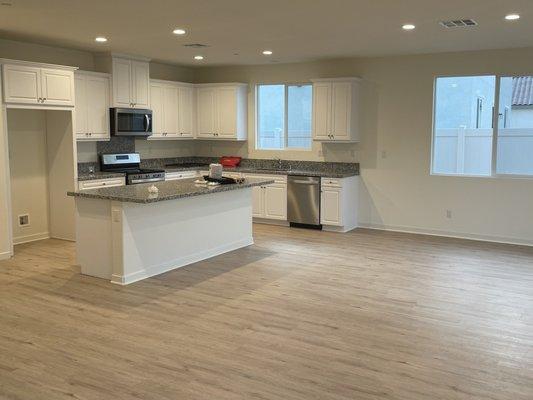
(270, 201)
(101, 183)
(338, 203)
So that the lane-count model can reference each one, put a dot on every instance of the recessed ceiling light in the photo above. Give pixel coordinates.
(408, 27)
(512, 17)
(198, 57)
(267, 52)
(179, 31)
(101, 39)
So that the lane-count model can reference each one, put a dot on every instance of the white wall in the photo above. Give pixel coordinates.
(61, 173)
(397, 190)
(29, 173)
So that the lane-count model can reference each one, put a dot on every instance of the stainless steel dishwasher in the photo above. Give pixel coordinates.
(303, 201)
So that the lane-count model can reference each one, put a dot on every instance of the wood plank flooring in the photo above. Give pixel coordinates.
(299, 315)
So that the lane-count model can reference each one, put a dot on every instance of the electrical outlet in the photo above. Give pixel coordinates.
(449, 214)
(24, 220)
(383, 154)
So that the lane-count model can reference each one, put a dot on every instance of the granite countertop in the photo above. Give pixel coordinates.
(169, 190)
(100, 175)
(274, 171)
(296, 172)
(293, 171)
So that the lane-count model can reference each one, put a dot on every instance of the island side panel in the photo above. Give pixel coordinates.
(158, 237)
(94, 239)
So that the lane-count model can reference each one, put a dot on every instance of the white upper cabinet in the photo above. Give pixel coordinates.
(131, 83)
(92, 106)
(32, 84)
(186, 111)
(57, 86)
(172, 108)
(336, 110)
(206, 112)
(141, 84)
(222, 111)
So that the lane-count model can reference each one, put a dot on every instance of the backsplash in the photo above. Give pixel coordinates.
(117, 144)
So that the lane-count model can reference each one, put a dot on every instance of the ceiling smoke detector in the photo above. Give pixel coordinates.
(459, 23)
(196, 45)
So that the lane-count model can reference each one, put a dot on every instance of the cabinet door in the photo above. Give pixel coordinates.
(57, 87)
(140, 71)
(185, 108)
(22, 84)
(156, 97)
(122, 83)
(226, 112)
(81, 127)
(258, 202)
(97, 106)
(170, 114)
(341, 110)
(206, 112)
(322, 111)
(330, 206)
(275, 201)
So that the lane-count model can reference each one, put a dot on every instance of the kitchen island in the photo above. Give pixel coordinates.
(126, 233)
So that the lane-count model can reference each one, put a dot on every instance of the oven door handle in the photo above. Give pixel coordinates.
(147, 122)
(146, 180)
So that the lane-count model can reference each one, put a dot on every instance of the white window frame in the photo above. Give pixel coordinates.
(286, 116)
(495, 129)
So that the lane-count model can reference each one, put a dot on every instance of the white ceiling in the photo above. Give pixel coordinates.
(296, 30)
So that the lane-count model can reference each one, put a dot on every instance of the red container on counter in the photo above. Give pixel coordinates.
(230, 161)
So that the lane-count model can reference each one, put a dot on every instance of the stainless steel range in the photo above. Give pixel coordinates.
(130, 164)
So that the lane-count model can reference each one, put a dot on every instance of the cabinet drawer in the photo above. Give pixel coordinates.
(278, 179)
(101, 183)
(331, 182)
(172, 176)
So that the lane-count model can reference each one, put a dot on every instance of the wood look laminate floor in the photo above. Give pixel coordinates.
(300, 315)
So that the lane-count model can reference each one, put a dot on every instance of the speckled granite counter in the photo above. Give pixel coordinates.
(169, 190)
(251, 166)
(294, 172)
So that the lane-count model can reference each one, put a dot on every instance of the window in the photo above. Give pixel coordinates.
(284, 117)
(515, 126)
(462, 142)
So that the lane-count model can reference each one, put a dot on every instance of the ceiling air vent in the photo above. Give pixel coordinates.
(196, 45)
(458, 23)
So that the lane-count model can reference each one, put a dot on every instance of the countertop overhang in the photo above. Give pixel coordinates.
(168, 190)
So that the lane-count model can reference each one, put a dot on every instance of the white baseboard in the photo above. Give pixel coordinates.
(31, 238)
(339, 229)
(5, 255)
(267, 221)
(451, 234)
(62, 238)
(180, 262)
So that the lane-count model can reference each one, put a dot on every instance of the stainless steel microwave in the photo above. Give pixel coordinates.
(131, 122)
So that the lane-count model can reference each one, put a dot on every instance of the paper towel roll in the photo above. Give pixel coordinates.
(215, 171)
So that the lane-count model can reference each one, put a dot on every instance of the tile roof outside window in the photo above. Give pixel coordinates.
(523, 91)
